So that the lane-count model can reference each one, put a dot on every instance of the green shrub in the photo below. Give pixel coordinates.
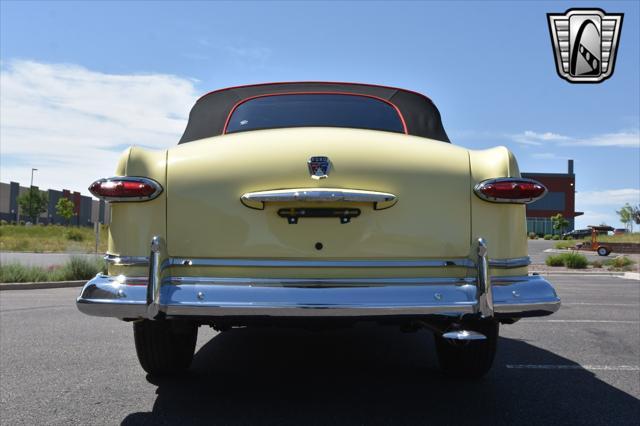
(556, 260)
(74, 235)
(77, 268)
(569, 238)
(564, 244)
(547, 237)
(16, 273)
(555, 237)
(596, 264)
(3, 222)
(575, 260)
(619, 262)
(533, 236)
(571, 260)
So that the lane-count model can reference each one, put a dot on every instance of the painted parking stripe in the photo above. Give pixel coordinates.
(633, 305)
(587, 321)
(573, 367)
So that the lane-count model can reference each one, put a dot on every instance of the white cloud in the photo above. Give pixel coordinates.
(622, 139)
(615, 198)
(529, 137)
(619, 139)
(71, 123)
(548, 156)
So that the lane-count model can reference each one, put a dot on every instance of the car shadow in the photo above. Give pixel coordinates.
(373, 375)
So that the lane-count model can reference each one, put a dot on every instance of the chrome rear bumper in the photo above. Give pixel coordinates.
(168, 296)
(120, 297)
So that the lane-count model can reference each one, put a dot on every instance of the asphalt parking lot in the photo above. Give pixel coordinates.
(579, 366)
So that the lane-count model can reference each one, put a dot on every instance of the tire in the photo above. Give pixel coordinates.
(468, 359)
(603, 251)
(165, 347)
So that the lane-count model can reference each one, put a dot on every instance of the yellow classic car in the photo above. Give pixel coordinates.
(317, 204)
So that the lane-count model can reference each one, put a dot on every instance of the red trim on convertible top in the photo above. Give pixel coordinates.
(315, 82)
(404, 124)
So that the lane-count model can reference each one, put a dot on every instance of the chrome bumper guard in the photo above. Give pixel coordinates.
(158, 297)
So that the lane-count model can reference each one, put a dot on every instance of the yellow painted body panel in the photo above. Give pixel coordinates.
(207, 178)
(199, 213)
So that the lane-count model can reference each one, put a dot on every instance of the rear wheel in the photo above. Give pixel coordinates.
(603, 251)
(468, 359)
(165, 347)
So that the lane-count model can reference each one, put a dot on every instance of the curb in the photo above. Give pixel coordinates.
(41, 285)
(590, 274)
(631, 276)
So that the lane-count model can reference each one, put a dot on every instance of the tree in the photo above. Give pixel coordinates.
(33, 203)
(626, 214)
(64, 208)
(559, 223)
(636, 214)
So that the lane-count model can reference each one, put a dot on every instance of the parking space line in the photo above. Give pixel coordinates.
(573, 367)
(588, 321)
(634, 305)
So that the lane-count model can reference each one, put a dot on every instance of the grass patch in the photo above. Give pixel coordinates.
(620, 262)
(51, 238)
(77, 268)
(555, 260)
(570, 260)
(622, 238)
(565, 244)
(596, 264)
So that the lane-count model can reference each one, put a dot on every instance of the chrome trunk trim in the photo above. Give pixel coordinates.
(117, 260)
(290, 263)
(380, 200)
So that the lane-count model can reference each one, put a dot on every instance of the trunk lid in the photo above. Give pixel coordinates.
(206, 180)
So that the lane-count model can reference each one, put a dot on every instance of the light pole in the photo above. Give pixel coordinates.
(31, 191)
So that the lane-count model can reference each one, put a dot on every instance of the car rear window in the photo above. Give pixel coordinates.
(322, 110)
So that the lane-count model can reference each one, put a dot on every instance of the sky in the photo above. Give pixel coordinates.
(81, 81)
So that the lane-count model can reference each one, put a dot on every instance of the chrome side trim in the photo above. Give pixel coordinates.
(485, 296)
(318, 282)
(256, 200)
(478, 190)
(514, 262)
(276, 263)
(513, 297)
(146, 180)
(114, 259)
(430, 263)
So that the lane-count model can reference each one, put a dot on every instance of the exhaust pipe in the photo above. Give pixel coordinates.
(464, 335)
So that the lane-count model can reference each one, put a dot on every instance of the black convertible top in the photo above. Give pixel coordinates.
(209, 115)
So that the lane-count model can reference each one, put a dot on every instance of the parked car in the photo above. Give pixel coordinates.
(577, 234)
(317, 204)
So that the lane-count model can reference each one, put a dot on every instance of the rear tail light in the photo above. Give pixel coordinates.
(510, 190)
(125, 188)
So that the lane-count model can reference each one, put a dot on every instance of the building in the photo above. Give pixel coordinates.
(560, 199)
(87, 210)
